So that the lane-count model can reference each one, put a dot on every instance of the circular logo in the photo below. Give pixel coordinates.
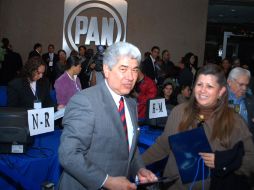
(120, 34)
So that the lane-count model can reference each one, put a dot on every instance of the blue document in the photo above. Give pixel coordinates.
(186, 146)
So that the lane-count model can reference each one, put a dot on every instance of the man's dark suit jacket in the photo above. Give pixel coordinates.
(50, 70)
(46, 58)
(148, 69)
(249, 102)
(11, 65)
(33, 54)
(20, 93)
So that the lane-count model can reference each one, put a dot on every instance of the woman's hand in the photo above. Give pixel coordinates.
(209, 159)
(60, 106)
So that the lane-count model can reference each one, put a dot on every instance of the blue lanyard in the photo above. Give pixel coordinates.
(203, 174)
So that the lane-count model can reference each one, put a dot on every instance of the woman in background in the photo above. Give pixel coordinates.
(61, 63)
(31, 87)
(184, 95)
(186, 76)
(168, 94)
(68, 83)
(226, 66)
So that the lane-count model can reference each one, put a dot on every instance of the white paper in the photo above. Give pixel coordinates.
(17, 148)
(59, 113)
(51, 63)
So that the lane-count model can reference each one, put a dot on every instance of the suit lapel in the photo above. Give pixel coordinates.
(109, 103)
(28, 91)
(111, 109)
(135, 128)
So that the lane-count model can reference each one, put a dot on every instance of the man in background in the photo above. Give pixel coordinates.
(148, 66)
(50, 58)
(36, 52)
(11, 65)
(240, 98)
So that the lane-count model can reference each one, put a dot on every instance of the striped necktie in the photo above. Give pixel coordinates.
(123, 119)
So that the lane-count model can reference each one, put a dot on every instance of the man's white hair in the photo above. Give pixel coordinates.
(118, 50)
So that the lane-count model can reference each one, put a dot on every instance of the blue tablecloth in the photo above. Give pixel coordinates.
(147, 137)
(41, 164)
(30, 170)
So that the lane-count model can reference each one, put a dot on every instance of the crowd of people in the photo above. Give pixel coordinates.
(95, 153)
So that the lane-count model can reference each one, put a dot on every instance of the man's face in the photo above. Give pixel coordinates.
(51, 49)
(166, 56)
(82, 51)
(192, 59)
(39, 49)
(155, 53)
(239, 86)
(123, 76)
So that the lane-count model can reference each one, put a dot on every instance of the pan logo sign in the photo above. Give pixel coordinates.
(93, 22)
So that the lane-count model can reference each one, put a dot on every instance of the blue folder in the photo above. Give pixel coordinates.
(185, 147)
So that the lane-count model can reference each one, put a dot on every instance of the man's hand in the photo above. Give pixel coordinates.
(119, 183)
(209, 159)
(145, 176)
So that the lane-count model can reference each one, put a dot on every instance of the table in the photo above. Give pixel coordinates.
(39, 164)
(147, 137)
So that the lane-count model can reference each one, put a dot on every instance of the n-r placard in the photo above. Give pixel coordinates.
(41, 120)
(157, 108)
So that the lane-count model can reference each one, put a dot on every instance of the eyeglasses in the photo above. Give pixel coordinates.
(241, 85)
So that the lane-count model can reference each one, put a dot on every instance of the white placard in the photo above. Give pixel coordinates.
(157, 108)
(41, 120)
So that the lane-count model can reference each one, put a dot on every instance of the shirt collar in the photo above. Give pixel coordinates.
(74, 76)
(153, 60)
(115, 96)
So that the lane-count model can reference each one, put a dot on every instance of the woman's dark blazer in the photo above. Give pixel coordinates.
(20, 93)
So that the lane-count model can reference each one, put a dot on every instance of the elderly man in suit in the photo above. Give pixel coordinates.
(240, 97)
(98, 146)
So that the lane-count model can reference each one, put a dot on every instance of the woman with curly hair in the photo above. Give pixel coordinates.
(31, 87)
